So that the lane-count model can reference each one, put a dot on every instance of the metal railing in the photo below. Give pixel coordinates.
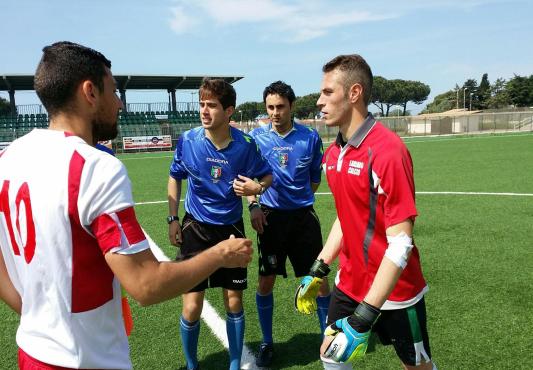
(166, 124)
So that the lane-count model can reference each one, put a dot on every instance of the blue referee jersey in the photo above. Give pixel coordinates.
(210, 173)
(296, 159)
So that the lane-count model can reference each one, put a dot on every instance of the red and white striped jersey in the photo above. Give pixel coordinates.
(63, 205)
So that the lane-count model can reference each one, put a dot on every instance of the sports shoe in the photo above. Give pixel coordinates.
(264, 357)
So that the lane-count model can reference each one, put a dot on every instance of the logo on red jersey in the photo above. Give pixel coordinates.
(355, 167)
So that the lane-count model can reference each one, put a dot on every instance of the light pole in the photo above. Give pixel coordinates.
(464, 97)
(240, 111)
(457, 99)
(470, 101)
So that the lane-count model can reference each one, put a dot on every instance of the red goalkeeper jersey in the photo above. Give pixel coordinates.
(371, 179)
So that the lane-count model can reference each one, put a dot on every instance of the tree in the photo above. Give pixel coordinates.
(250, 110)
(387, 93)
(305, 106)
(483, 93)
(520, 91)
(442, 102)
(469, 92)
(384, 94)
(499, 97)
(5, 107)
(414, 91)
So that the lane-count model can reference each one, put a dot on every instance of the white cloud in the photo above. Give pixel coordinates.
(245, 11)
(181, 22)
(298, 20)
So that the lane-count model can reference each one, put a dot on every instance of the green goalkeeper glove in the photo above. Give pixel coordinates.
(305, 298)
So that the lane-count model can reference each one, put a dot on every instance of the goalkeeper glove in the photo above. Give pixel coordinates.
(351, 334)
(305, 298)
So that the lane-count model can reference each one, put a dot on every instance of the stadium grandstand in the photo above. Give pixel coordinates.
(136, 119)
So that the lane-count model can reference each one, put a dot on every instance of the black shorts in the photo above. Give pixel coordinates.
(295, 234)
(197, 237)
(404, 328)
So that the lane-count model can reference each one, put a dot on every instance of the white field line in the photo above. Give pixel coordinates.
(210, 316)
(417, 193)
(450, 137)
(473, 193)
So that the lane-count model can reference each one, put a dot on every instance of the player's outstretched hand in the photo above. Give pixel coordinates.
(245, 186)
(347, 339)
(307, 291)
(236, 252)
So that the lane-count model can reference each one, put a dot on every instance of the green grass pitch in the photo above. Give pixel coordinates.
(476, 250)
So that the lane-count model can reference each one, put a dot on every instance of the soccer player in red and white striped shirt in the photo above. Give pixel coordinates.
(69, 237)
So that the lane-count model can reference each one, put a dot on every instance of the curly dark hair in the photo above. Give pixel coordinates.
(279, 88)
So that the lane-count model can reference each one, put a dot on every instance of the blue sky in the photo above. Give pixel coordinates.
(440, 42)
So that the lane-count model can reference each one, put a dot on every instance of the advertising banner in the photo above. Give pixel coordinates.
(147, 142)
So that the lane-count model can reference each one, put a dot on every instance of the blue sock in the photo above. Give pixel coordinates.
(190, 332)
(265, 309)
(235, 331)
(322, 310)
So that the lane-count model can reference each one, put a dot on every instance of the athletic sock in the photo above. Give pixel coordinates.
(265, 309)
(235, 331)
(190, 331)
(322, 303)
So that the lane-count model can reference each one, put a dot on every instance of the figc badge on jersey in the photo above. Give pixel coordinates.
(283, 159)
(216, 172)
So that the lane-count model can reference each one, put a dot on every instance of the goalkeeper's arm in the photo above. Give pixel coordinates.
(347, 338)
(392, 264)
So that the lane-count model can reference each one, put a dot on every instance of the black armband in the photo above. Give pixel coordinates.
(319, 269)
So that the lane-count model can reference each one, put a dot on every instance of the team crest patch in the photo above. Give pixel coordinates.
(283, 159)
(216, 172)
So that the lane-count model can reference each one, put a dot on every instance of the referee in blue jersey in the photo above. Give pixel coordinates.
(219, 163)
(285, 221)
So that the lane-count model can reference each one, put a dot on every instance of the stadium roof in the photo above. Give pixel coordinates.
(124, 82)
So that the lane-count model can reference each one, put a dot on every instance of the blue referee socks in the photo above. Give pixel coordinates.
(190, 331)
(322, 304)
(265, 310)
(235, 331)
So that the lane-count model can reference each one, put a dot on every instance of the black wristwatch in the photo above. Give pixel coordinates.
(171, 219)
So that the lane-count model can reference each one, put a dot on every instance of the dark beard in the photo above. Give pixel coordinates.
(103, 131)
